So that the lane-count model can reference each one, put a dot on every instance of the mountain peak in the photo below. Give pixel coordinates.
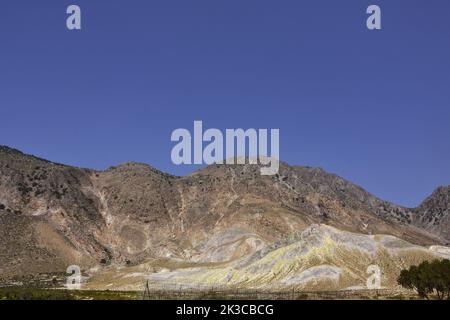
(434, 212)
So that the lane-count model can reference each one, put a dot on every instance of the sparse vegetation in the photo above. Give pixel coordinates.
(19, 293)
(23, 293)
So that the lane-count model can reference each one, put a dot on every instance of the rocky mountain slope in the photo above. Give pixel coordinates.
(434, 213)
(134, 216)
(320, 258)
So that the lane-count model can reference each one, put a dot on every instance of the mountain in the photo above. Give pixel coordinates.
(222, 224)
(434, 213)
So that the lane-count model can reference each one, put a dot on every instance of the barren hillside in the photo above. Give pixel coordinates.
(227, 218)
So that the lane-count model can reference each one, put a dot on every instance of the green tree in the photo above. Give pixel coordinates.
(428, 278)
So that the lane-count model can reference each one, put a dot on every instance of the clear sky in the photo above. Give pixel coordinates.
(371, 106)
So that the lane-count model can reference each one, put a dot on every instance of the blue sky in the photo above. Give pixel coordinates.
(371, 106)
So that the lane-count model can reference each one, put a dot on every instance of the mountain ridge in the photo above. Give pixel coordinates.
(133, 212)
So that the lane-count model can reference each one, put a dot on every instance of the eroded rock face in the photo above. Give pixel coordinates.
(54, 215)
(320, 258)
(434, 213)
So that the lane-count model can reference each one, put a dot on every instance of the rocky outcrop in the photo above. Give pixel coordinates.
(434, 213)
